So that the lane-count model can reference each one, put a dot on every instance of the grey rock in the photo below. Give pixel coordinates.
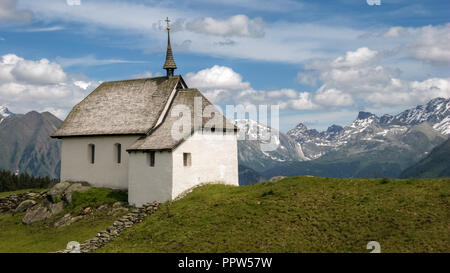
(118, 205)
(24, 206)
(33, 195)
(57, 191)
(111, 232)
(277, 178)
(116, 211)
(57, 208)
(35, 214)
(103, 207)
(78, 187)
(63, 221)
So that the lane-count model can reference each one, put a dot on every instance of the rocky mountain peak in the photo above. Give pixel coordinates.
(385, 119)
(365, 115)
(261, 147)
(435, 111)
(4, 112)
(335, 129)
(301, 127)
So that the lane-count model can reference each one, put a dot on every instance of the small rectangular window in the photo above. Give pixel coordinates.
(92, 153)
(187, 159)
(119, 153)
(151, 159)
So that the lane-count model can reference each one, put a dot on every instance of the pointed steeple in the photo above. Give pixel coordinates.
(169, 65)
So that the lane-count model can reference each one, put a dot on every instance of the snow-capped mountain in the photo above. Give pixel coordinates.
(371, 128)
(433, 112)
(261, 147)
(4, 113)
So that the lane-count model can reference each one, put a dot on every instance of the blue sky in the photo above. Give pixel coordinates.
(321, 61)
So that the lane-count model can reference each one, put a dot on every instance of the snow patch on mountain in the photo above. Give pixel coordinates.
(4, 113)
(260, 146)
(444, 126)
(372, 129)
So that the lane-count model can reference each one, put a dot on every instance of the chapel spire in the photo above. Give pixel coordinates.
(169, 65)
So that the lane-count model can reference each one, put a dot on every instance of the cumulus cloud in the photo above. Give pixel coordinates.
(9, 12)
(356, 77)
(41, 85)
(354, 58)
(221, 84)
(433, 44)
(279, 41)
(428, 43)
(332, 97)
(216, 77)
(238, 25)
(36, 72)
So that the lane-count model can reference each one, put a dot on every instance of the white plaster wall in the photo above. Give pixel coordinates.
(214, 160)
(105, 172)
(146, 183)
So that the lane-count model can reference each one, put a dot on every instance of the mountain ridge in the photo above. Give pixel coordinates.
(25, 144)
(435, 164)
(368, 126)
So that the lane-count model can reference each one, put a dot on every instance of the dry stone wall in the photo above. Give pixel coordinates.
(127, 221)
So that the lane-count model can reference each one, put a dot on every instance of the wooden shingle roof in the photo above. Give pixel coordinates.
(161, 137)
(120, 108)
(140, 107)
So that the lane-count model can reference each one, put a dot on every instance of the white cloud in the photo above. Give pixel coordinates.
(216, 77)
(36, 72)
(354, 58)
(282, 41)
(9, 12)
(302, 102)
(44, 29)
(90, 60)
(355, 78)
(432, 44)
(42, 85)
(221, 84)
(238, 25)
(394, 32)
(263, 5)
(332, 97)
(428, 43)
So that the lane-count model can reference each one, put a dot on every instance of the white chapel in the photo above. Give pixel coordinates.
(155, 137)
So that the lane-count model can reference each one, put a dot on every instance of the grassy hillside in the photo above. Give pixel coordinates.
(300, 214)
(436, 164)
(44, 237)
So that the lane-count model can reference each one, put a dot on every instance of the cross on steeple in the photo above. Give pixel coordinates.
(167, 21)
(169, 65)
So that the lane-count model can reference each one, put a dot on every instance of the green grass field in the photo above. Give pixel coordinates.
(300, 214)
(43, 237)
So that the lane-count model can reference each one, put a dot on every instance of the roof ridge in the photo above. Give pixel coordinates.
(140, 79)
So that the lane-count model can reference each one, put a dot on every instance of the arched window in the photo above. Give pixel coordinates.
(118, 152)
(91, 150)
